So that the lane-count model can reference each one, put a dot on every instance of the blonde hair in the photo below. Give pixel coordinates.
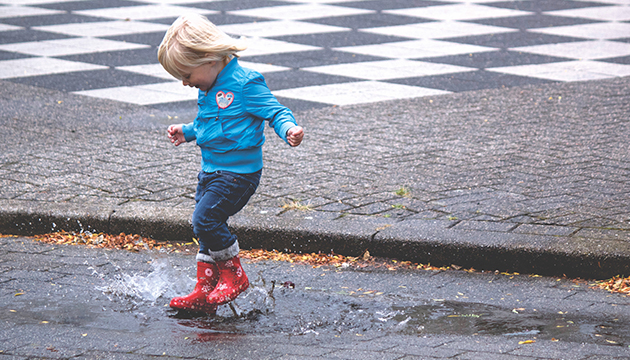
(193, 40)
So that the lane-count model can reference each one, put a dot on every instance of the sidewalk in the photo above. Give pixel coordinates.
(532, 180)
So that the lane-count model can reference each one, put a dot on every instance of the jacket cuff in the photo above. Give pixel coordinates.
(283, 130)
(189, 132)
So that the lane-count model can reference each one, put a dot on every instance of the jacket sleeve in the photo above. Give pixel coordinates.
(260, 102)
(189, 132)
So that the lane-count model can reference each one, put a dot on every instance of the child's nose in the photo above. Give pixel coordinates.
(186, 83)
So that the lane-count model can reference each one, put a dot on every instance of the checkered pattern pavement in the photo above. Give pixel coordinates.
(320, 52)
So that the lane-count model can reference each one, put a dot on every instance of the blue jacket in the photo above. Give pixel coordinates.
(231, 119)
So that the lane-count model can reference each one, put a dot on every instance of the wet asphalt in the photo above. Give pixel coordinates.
(60, 302)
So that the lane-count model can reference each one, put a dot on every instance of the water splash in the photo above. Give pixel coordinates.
(163, 281)
(257, 299)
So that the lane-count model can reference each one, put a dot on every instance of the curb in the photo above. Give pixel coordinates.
(420, 241)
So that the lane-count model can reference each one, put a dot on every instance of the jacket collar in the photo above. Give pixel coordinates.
(224, 75)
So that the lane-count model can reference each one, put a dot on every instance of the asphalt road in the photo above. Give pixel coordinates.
(74, 302)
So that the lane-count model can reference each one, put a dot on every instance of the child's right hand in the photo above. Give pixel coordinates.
(176, 135)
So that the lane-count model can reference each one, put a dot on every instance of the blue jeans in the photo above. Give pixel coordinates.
(220, 195)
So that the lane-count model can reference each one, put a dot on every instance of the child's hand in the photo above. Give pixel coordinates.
(176, 134)
(295, 135)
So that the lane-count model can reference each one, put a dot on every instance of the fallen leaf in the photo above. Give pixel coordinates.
(526, 342)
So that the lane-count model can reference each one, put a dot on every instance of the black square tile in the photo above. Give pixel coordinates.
(304, 59)
(27, 35)
(533, 21)
(154, 39)
(228, 19)
(7, 55)
(164, 21)
(468, 81)
(234, 5)
(88, 80)
(366, 21)
(43, 20)
(301, 105)
(297, 78)
(513, 39)
(493, 59)
(89, 5)
(180, 108)
(543, 5)
(118, 58)
(340, 39)
(381, 5)
(618, 60)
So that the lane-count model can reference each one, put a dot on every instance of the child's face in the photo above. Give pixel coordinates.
(203, 76)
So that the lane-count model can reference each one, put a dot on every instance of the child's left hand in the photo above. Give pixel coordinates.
(295, 135)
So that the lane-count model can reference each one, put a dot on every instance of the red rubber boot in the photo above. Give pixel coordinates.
(232, 282)
(207, 278)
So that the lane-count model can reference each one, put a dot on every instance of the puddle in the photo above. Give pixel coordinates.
(469, 319)
(271, 307)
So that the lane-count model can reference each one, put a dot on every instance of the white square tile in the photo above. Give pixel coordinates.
(20, 11)
(176, 2)
(262, 68)
(145, 94)
(155, 70)
(261, 46)
(478, 1)
(357, 93)
(32, 2)
(599, 31)
(321, 1)
(618, 2)
(388, 69)
(300, 12)
(42, 66)
(415, 49)
(581, 50)
(568, 71)
(604, 13)
(279, 28)
(458, 12)
(63, 47)
(146, 12)
(438, 30)
(105, 28)
(4, 27)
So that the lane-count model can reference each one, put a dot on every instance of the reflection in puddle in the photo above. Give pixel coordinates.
(270, 307)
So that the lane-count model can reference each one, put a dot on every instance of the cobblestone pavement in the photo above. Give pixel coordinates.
(530, 177)
(72, 302)
(540, 171)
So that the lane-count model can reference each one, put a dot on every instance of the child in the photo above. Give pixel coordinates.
(233, 104)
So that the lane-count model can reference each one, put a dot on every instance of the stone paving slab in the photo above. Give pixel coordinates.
(531, 179)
